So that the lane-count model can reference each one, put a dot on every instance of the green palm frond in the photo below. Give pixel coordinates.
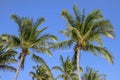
(62, 45)
(42, 50)
(38, 59)
(38, 22)
(68, 17)
(45, 37)
(7, 68)
(94, 15)
(62, 60)
(77, 15)
(57, 68)
(17, 19)
(76, 34)
(59, 76)
(32, 74)
(8, 60)
(100, 50)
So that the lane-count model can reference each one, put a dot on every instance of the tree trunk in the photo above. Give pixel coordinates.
(78, 64)
(19, 66)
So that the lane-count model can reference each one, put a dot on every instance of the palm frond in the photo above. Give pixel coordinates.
(46, 37)
(7, 68)
(62, 60)
(42, 50)
(62, 45)
(102, 50)
(17, 19)
(32, 74)
(57, 68)
(59, 76)
(77, 15)
(75, 33)
(38, 59)
(94, 15)
(68, 17)
(38, 22)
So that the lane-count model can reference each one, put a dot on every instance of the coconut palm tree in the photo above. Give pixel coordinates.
(67, 69)
(91, 74)
(29, 38)
(85, 32)
(7, 58)
(42, 72)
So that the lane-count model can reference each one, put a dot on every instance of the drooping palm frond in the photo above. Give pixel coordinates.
(7, 68)
(100, 51)
(57, 68)
(38, 59)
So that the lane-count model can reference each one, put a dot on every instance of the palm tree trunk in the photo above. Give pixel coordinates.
(19, 66)
(78, 63)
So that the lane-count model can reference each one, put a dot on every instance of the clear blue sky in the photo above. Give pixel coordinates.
(51, 10)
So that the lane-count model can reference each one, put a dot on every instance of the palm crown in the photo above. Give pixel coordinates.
(85, 31)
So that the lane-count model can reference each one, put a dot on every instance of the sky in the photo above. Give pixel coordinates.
(51, 11)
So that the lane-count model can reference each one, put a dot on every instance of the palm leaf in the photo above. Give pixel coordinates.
(57, 68)
(103, 51)
(62, 45)
(7, 68)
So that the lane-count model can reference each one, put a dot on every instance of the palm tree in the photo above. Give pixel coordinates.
(42, 72)
(91, 74)
(29, 38)
(86, 32)
(7, 58)
(67, 69)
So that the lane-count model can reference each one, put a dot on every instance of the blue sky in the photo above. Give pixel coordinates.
(51, 10)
